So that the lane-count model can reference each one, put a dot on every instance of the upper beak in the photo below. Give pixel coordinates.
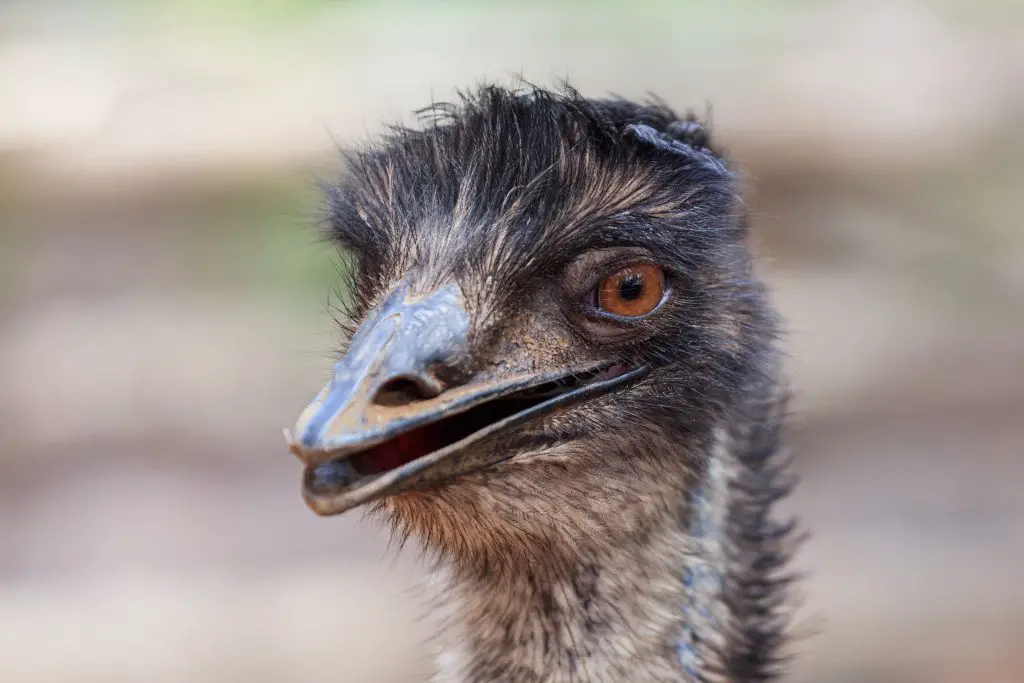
(380, 385)
(406, 368)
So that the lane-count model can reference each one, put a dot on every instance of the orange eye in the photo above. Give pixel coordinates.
(633, 291)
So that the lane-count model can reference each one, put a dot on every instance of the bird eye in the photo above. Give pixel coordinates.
(632, 292)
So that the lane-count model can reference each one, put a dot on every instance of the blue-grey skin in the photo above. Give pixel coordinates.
(404, 338)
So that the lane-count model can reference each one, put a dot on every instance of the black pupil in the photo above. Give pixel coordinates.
(631, 287)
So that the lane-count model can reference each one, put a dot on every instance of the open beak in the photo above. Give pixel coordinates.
(387, 422)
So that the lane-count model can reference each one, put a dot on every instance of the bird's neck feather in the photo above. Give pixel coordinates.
(581, 580)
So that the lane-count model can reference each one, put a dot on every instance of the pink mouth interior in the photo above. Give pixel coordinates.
(421, 441)
(416, 443)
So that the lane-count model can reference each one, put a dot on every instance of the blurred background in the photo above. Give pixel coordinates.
(163, 313)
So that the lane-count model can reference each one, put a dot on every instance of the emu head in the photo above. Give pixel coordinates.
(552, 308)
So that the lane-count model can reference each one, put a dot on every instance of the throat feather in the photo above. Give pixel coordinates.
(703, 578)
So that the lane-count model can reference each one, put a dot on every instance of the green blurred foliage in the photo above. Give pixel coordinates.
(264, 241)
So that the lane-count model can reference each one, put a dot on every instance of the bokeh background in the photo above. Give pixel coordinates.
(163, 313)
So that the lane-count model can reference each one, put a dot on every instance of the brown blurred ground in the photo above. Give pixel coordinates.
(163, 314)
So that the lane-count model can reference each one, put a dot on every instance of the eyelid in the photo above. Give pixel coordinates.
(604, 327)
(586, 272)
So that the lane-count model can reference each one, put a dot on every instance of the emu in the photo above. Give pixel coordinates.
(562, 378)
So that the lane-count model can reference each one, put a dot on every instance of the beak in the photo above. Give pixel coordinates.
(398, 404)
(390, 365)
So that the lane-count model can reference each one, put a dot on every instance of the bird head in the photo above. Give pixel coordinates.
(543, 286)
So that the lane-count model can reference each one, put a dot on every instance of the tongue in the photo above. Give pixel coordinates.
(394, 453)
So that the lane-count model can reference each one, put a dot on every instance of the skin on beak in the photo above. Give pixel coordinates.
(388, 370)
(387, 401)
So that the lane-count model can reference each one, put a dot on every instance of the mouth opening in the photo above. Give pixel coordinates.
(416, 443)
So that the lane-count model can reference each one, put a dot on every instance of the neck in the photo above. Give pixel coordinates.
(600, 612)
(574, 586)
(609, 615)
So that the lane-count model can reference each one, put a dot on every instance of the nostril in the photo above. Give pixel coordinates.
(402, 391)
